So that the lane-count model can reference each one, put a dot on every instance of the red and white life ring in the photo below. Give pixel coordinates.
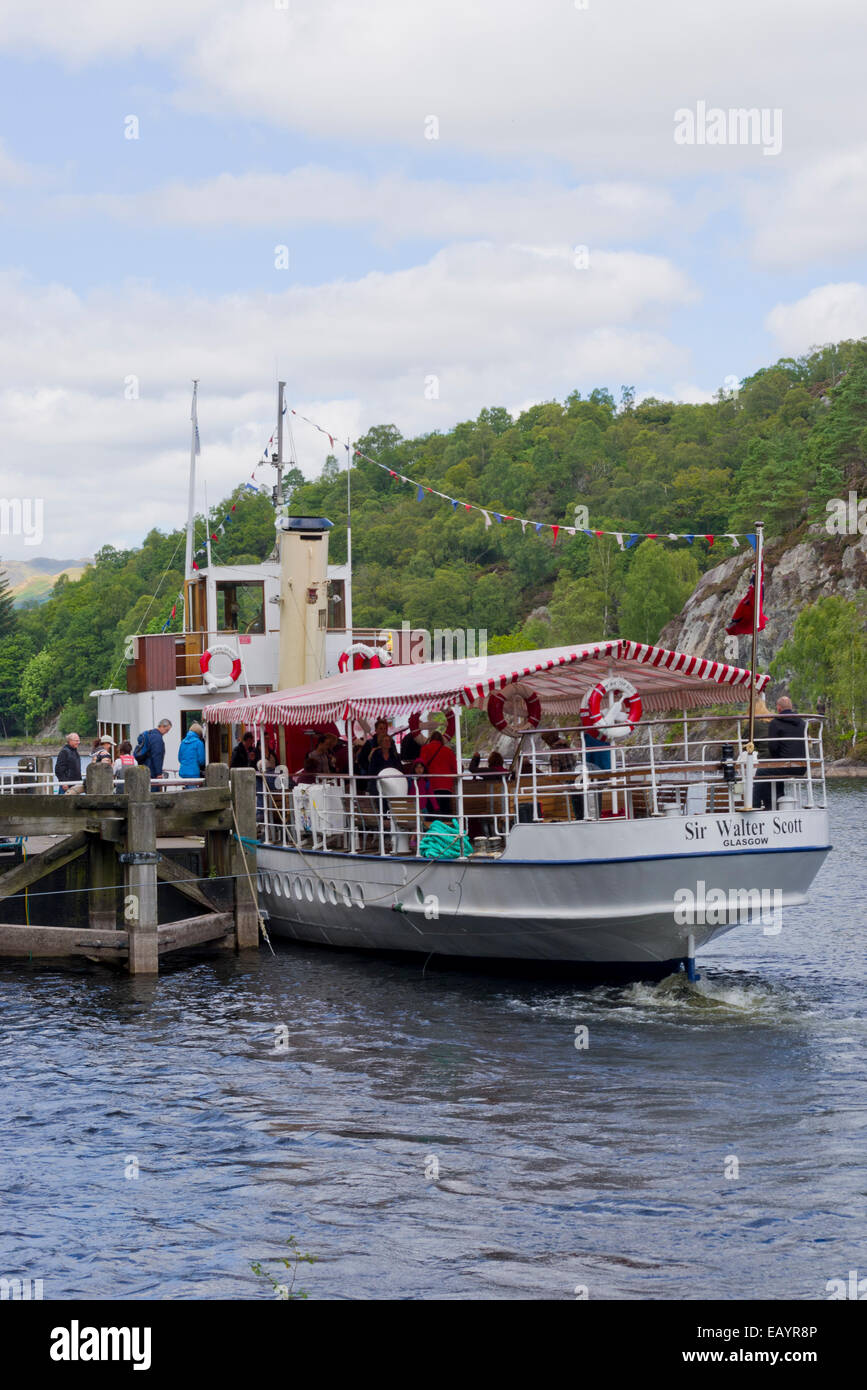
(614, 717)
(219, 682)
(415, 724)
(497, 711)
(363, 657)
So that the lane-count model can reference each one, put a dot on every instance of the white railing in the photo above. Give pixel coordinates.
(676, 769)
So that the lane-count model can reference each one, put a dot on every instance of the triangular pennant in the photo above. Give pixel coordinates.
(710, 539)
(734, 540)
(618, 536)
(632, 539)
(752, 540)
(555, 529)
(419, 496)
(538, 526)
(487, 518)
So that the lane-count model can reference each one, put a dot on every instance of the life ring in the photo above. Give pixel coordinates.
(415, 724)
(497, 711)
(616, 717)
(219, 682)
(373, 656)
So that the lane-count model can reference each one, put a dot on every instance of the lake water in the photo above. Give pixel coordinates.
(558, 1168)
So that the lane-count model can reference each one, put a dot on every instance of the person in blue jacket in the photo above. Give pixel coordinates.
(150, 751)
(191, 754)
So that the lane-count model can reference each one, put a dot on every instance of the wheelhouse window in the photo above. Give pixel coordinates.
(336, 604)
(241, 606)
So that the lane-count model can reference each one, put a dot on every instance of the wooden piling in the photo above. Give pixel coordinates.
(242, 858)
(102, 861)
(110, 838)
(140, 873)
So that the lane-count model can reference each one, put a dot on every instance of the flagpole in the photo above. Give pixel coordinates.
(191, 508)
(347, 611)
(757, 605)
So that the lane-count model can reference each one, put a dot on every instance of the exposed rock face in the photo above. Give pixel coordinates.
(818, 566)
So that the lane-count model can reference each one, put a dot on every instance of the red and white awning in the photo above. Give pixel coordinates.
(560, 676)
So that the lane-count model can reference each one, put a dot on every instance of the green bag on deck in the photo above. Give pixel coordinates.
(442, 840)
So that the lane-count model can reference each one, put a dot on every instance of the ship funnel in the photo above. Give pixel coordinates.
(303, 547)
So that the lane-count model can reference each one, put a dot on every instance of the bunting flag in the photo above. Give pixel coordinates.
(539, 526)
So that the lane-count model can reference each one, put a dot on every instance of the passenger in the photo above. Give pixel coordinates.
(242, 753)
(67, 768)
(322, 754)
(103, 751)
(384, 755)
(191, 754)
(410, 747)
(308, 773)
(427, 802)
(124, 759)
(441, 766)
(787, 743)
(150, 750)
(364, 786)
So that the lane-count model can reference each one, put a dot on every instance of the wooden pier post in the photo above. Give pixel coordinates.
(243, 858)
(140, 876)
(103, 868)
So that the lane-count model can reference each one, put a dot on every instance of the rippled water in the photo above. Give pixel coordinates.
(603, 1167)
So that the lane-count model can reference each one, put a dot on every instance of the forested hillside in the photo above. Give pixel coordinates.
(793, 436)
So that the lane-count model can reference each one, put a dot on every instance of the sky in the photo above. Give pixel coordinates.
(409, 211)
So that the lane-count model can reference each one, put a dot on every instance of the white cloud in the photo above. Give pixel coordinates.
(11, 172)
(395, 206)
(825, 315)
(821, 213)
(493, 324)
(594, 88)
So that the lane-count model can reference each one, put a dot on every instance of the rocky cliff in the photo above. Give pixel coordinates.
(814, 566)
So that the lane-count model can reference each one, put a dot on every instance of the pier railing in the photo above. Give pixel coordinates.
(674, 768)
(114, 833)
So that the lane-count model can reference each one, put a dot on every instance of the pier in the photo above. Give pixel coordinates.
(120, 853)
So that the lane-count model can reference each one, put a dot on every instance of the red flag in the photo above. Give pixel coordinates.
(555, 529)
(742, 618)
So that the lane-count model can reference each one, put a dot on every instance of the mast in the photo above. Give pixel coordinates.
(757, 603)
(347, 601)
(277, 460)
(749, 757)
(191, 504)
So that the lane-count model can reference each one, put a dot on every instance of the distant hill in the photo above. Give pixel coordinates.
(31, 581)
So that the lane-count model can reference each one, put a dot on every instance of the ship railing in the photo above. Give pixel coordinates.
(675, 769)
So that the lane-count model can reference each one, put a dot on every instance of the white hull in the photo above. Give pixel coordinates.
(582, 894)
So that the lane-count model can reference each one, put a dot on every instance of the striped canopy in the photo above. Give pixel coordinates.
(560, 676)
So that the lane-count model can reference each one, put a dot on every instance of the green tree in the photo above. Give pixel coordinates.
(37, 689)
(7, 611)
(15, 652)
(657, 586)
(826, 657)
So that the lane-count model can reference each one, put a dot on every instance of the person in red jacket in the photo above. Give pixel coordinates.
(441, 766)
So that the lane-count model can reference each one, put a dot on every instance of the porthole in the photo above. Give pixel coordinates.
(278, 890)
(266, 881)
(287, 885)
(260, 879)
(359, 895)
(297, 887)
(332, 894)
(320, 889)
(346, 894)
(308, 889)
